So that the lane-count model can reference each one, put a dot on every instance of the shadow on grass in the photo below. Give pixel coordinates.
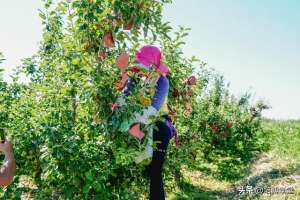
(261, 182)
(19, 190)
(227, 167)
(190, 192)
(14, 193)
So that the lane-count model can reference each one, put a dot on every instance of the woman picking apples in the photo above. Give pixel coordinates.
(148, 65)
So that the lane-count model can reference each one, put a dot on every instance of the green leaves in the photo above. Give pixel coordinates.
(89, 175)
(65, 135)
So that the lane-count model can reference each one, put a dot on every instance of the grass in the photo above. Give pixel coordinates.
(277, 167)
(284, 139)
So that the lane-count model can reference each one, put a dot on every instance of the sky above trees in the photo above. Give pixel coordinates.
(255, 44)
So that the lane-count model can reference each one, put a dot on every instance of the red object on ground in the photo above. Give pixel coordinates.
(135, 131)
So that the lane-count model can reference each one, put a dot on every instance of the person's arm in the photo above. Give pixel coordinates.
(162, 90)
(8, 169)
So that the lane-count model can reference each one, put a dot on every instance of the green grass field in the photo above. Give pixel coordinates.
(276, 167)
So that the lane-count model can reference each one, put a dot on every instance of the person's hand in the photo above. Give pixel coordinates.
(6, 147)
(122, 61)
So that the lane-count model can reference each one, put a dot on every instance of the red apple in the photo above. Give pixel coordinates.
(188, 108)
(224, 134)
(128, 26)
(191, 80)
(177, 141)
(214, 128)
(142, 5)
(122, 61)
(102, 55)
(111, 22)
(229, 125)
(119, 85)
(190, 92)
(176, 93)
(122, 82)
(114, 22)
(108, 40)
(134, 70)
(194, 136)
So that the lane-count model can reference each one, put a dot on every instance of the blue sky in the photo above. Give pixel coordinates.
(255, 44)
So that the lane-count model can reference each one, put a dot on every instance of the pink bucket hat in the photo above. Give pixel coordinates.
(148, 55)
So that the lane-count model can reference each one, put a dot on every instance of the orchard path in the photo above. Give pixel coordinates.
(266, 171)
